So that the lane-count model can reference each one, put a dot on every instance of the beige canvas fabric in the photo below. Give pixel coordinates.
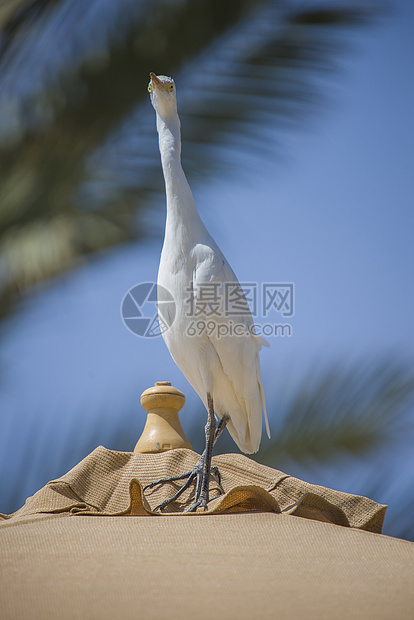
(84, 547)
(253, 565)
(110, 483)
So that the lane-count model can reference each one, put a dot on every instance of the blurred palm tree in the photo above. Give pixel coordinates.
(78, 158)
(347, 417)
(79, 164)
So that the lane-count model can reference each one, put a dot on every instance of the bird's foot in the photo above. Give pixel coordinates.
(202, 470)
(198, 475)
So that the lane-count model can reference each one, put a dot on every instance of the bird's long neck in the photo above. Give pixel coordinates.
(181, 208)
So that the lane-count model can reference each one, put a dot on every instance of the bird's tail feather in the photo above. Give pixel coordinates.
(262, 397)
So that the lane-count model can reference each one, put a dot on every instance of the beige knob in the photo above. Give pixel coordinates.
(163, 430)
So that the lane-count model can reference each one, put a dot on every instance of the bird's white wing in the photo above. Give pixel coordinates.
(217, 290)
(232, 347)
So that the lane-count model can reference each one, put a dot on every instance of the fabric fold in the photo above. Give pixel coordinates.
(112, 483)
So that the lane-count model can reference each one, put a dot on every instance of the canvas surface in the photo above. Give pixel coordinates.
(110, 483)
(90, 546)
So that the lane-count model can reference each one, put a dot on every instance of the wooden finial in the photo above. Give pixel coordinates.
(163, 430)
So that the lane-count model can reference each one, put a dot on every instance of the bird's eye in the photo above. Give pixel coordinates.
(170, 87)
(150, 87)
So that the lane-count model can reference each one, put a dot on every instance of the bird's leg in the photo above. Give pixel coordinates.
(219, 429)
(203, 481)
(221, 426)
(202, 469)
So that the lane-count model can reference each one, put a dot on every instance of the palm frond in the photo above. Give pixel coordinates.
(77, 143)
(349, 428)
(342, 411)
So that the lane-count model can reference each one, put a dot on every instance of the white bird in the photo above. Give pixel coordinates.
(220, 361)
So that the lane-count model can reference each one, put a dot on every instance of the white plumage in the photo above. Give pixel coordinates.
(226, 367)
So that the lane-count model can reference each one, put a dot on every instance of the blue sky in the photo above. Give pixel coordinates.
(335, 217)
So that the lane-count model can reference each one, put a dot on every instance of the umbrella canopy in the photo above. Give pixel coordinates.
(90, 544)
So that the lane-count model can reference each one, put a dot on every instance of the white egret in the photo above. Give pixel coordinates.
(211, 337)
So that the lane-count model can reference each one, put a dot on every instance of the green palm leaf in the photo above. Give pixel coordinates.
(350, 428)
(78, 151)
(342, 410)
(337, 410)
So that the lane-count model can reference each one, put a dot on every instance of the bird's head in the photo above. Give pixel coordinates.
(163, 98)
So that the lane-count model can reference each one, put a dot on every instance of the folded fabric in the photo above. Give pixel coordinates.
(111, 483)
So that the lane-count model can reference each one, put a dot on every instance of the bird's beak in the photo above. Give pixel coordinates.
(155, 81)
